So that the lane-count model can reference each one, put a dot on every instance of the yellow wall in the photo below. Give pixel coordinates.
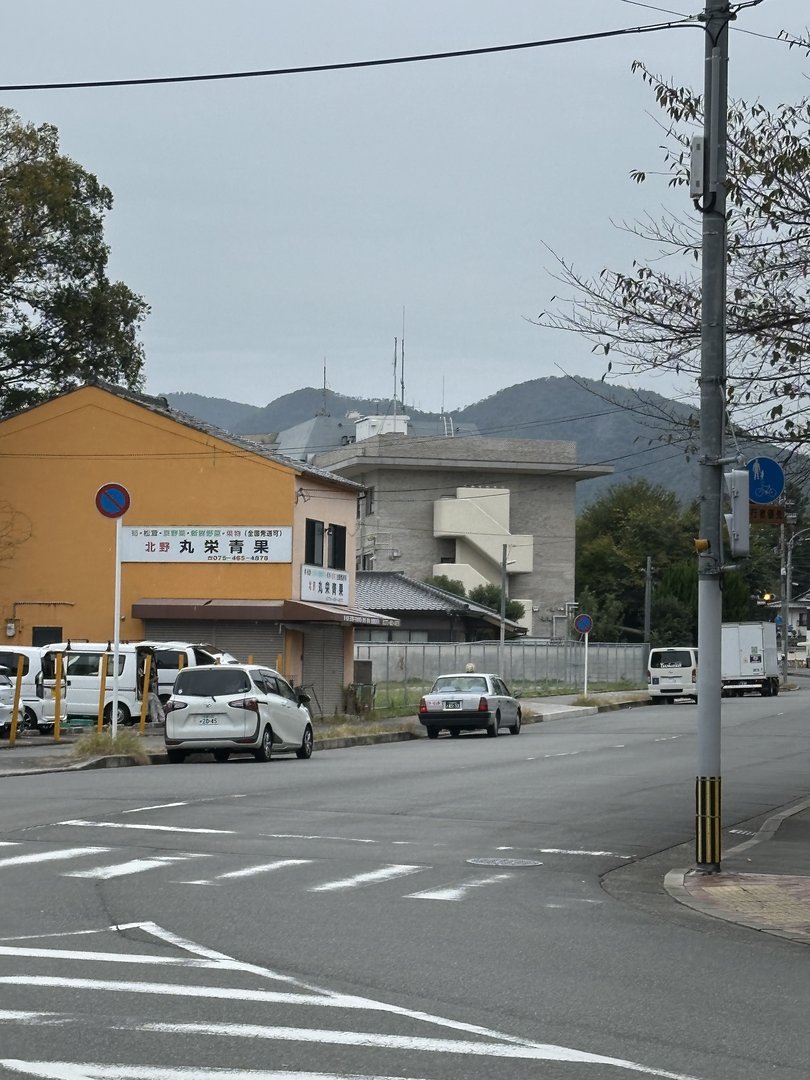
(56, 457)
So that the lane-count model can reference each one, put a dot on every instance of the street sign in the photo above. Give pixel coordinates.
(112, 500)
(766, 515)
(766, 480)
(583, 624)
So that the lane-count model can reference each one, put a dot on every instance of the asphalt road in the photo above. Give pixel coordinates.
(448, 910)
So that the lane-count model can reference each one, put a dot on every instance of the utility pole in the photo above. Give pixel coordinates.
(710, 189)
(648, 601)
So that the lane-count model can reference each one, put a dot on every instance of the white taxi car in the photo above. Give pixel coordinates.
(225, 709)
(469, 702)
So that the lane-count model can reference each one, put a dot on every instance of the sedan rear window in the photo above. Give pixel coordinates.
(461, 684)
(199, 682)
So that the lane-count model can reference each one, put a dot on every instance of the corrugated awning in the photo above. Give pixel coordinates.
(290, 611)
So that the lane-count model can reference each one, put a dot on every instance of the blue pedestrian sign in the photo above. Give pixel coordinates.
(766, 480)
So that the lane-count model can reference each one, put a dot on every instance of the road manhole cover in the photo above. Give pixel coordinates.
(504, 862)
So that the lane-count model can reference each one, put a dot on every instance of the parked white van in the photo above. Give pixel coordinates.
(81, 680)
(672, 673)
(173, 656)
(30, 702)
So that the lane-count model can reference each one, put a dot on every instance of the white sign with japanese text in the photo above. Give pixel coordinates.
(324, 585)
(207, 543)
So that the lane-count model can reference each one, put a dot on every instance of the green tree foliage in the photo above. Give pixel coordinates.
(61, 318)
(647, 318)
(616, 534)
(490, 596)
(451, 585)
(606, 612)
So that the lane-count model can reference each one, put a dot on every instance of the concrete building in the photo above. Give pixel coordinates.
(224, 541)
(476, 509)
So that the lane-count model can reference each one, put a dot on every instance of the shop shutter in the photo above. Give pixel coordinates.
(262, 641)
(323, 667)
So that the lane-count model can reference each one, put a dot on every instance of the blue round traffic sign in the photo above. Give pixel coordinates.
(583, 624)
(112, 500)
(766, 480)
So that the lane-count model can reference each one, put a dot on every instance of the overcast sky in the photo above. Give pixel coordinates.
(275, 223)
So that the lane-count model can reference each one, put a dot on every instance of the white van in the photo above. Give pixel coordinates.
(81, 681)
(173, 656)
(672, 673)
(30, 702)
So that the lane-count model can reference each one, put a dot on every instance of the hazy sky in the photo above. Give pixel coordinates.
(274, 222)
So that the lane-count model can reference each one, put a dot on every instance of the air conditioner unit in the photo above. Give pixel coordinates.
(395, 553)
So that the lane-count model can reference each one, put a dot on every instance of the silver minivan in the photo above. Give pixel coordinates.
(672, 673)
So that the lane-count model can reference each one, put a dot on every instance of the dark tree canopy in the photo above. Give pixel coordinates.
(61, 318)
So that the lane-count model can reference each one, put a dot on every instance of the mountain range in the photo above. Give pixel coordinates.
(640, 433)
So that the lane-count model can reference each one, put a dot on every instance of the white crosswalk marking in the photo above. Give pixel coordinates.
(132, 866)
(50, 856)
(143, 828)
(250, 871)
(458, 892)
(371, 877)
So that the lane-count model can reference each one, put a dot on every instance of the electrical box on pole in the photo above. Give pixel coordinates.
(738, 521)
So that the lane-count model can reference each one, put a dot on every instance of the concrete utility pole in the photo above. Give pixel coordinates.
(711, 187)
(648, 601)
(504, 553)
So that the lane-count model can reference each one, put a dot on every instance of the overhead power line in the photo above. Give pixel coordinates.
(350, 65)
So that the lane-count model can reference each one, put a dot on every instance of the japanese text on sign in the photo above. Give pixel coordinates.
(325, 586)
(207, 543)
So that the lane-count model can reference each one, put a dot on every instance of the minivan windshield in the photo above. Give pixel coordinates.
(211, 682)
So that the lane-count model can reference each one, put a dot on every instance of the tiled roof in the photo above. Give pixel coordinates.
(389, 590)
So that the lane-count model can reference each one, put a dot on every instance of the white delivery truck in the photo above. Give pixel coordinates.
(749, 659)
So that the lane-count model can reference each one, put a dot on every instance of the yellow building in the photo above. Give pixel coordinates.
(222, 542)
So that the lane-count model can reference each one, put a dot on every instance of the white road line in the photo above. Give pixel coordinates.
(387, 873)
(521, 1051)
(121, 958)
(68, 1070)
(227, 993)
(51, 856)
(303, 836)
(459, 891)
(152, 828)
(124, 869)
(158, 806)
(566, 851)
(9, 843)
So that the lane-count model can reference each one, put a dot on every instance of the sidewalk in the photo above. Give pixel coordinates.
(764, 881)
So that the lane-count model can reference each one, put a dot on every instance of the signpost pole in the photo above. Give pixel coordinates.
(585, 690)
(116, 628)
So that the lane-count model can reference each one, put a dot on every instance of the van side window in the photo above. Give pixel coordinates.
(84, 664)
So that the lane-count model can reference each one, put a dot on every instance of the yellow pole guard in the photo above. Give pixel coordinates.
(708, 820)
(57, 699)
(102, 691)
(147, 679)
(15, 710)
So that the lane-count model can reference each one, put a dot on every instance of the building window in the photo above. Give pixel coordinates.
(313, 554)
(337, 547)
(369, 500)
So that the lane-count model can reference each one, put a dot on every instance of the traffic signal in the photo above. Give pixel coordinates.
(737, 521)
